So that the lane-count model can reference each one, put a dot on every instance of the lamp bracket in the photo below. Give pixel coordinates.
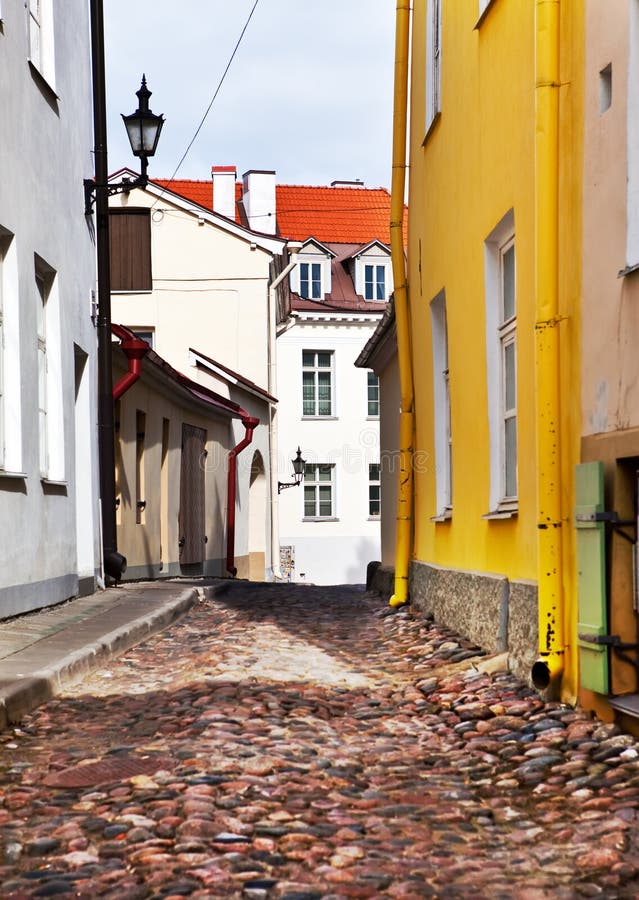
(118, 187)
(282, 485)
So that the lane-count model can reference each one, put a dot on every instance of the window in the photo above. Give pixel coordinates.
(130, 249)
(441, 398)
(433, 61)
(374, 491)
(145, 334)
(605, 89)
(374, 282)
(317, 383)
(50, 399)
(507, 333)
(41, 318)
(41, 50)
(318, 491)
(501, 365)
(311, 281)
(11, 382)
(373, 395)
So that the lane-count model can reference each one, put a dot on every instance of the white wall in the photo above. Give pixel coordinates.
(45, 152)
(337, 551)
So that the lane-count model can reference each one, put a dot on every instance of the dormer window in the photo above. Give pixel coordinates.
(311, 281)
(375, 282)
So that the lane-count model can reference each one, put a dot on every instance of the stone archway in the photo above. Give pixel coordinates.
(257, 519)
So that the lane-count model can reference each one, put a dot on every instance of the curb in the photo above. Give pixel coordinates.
(19, 695)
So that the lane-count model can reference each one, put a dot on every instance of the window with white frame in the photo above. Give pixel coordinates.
(373, 395)
(319, 501)
(50, 410)
(433, 60)
(311, 281)
(441, 397)
(41, 48)
(501, 362)
(317, 383)
(374, 282)
(10, 370)
(374, 491)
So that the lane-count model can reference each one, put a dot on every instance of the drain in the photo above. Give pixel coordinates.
(106, 771)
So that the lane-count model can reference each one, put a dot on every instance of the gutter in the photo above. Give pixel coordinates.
(548, 668)
(403, 549)
(250, 423)
(135, 350)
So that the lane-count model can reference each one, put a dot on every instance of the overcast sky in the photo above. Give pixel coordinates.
(309, 93)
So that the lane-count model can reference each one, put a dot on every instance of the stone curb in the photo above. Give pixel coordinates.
(19, 695)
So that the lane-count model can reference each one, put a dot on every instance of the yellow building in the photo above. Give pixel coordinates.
(492, 313)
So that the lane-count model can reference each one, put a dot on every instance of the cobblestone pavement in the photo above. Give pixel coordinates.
(305, 742)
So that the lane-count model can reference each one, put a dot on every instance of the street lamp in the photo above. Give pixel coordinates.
(143, 128)
(298, 473)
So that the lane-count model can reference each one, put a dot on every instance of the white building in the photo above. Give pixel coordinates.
(195, 284)
(48, 449)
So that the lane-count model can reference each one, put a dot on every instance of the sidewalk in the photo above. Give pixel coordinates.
(42, 651)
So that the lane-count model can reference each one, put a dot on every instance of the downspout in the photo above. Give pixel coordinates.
(135, 351)
(548, 668)
(250, 424)
(404, 538)
(293, 247)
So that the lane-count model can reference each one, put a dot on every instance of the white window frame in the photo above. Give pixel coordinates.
(501, 333)
(312, 482)
(50, 394)
(315, 369)
(376, 399)
(312, 254)
(441, 405)
(374, 486)
(311, 273)
(374, 282)
(433, 60)
(41, 38)
(10, 370)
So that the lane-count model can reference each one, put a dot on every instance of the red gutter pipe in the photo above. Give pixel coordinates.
(135, 350)
(250, 424)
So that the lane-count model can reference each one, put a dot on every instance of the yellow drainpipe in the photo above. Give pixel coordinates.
(549, 667)
(404, 539)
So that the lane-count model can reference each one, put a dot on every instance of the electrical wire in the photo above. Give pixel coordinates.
(208, 109)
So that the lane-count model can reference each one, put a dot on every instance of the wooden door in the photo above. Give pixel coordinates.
(192, 505)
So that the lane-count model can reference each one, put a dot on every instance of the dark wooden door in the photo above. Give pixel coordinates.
(192, 506)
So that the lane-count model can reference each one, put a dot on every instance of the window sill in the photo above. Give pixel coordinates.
(505, 512)
(372, 418)
(374, 519)
(133, 291)
(483, 15)
(431, 128)
(446, 516)
(320, 418)
(628, 270)
(5, 473)
(320, 519)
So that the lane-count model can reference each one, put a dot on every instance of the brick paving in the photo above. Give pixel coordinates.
(305, 742)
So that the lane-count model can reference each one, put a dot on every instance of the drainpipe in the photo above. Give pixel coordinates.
(548, 668)
(404, 539)
(293, 247)
(135, 351)
(250, 424)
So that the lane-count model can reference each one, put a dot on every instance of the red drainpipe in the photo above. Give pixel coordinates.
(135, 350)
(249, 423)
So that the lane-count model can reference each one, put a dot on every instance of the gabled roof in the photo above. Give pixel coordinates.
(200, 192)
(230, 376)
(335, 215)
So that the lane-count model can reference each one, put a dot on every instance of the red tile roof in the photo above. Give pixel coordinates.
(336, 215)
(200, 192)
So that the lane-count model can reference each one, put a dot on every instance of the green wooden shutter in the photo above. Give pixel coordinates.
(591, 579)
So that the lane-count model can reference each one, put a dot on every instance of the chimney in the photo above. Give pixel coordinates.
(224, 190)
(259, 200)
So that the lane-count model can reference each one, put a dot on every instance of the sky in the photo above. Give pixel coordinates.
(308, 94)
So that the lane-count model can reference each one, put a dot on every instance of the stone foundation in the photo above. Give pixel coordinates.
(498, 614)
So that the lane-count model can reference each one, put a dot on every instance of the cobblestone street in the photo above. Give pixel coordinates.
(306, 742)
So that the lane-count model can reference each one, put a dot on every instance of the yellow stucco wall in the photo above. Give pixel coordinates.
(475, 165)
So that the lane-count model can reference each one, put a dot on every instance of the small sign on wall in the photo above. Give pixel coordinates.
(287, 561)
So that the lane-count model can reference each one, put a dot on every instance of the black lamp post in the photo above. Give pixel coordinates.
(143, 129)
(99, 189)
(298, 473)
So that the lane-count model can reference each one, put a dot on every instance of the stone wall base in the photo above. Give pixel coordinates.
(498, 614)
